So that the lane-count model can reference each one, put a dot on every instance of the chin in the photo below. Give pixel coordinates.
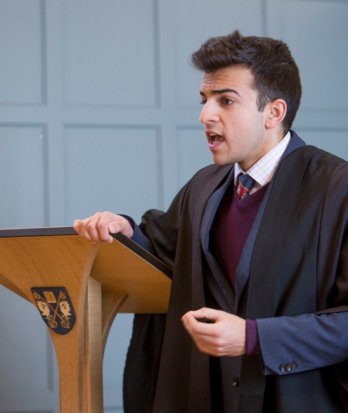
(222, 161)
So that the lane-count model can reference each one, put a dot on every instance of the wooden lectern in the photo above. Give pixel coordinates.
(79, 288)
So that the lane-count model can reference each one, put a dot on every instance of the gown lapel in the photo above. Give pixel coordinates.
(219, 286)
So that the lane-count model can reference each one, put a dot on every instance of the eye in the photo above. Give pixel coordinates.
(226, 101)
(203, 101)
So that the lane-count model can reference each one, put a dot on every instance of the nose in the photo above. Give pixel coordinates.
(209, 113)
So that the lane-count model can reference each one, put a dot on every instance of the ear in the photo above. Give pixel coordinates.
(276, 111)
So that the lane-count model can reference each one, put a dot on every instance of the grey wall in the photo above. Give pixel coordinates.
(99, 110)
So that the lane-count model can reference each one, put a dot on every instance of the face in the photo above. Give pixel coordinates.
(235, 128)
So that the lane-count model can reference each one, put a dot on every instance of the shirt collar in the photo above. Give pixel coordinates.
(263, 170)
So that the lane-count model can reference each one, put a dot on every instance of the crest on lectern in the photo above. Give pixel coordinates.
(55, 307)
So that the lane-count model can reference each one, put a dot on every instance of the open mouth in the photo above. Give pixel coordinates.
(214, 139)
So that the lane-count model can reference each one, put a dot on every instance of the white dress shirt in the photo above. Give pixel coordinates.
(263, 170)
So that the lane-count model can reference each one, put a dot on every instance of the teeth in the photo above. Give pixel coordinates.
(215, 138)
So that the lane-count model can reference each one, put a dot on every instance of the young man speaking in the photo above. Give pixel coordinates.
(258, 246)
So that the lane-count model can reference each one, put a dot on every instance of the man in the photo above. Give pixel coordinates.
(257, 320)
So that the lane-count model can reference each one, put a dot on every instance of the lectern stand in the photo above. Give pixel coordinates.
(78, 288)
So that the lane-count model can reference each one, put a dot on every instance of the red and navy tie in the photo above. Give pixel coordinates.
(245, 183)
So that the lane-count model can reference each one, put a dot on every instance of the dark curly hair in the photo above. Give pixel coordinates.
(275, 71)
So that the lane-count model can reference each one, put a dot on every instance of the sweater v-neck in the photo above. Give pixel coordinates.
(231, 227)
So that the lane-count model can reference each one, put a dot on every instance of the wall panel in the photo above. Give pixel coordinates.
(110, 53)
(22, 176)
(111, 167)
(334, 141)
(22, 80)
(322, 54)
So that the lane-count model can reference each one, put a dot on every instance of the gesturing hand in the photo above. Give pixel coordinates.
(216, 332)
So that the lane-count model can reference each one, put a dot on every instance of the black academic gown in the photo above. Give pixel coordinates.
(294, 264)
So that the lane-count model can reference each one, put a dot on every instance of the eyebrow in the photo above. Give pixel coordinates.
(220, 91)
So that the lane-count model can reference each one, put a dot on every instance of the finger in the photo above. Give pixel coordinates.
(121, 225)
(102, 227)
(197, 325)
(89, 228)
(207, 315)
(77, 225)
(80, 226)
(206, 343)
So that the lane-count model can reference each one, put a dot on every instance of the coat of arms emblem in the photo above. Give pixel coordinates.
(55, 307)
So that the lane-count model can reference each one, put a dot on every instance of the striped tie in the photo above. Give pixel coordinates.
(245, 183)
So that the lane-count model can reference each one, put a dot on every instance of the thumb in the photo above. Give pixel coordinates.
(206, 314)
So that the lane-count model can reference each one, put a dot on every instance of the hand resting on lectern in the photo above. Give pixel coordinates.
(98, 227)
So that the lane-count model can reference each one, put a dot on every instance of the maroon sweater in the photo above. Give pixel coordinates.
(230, 231)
